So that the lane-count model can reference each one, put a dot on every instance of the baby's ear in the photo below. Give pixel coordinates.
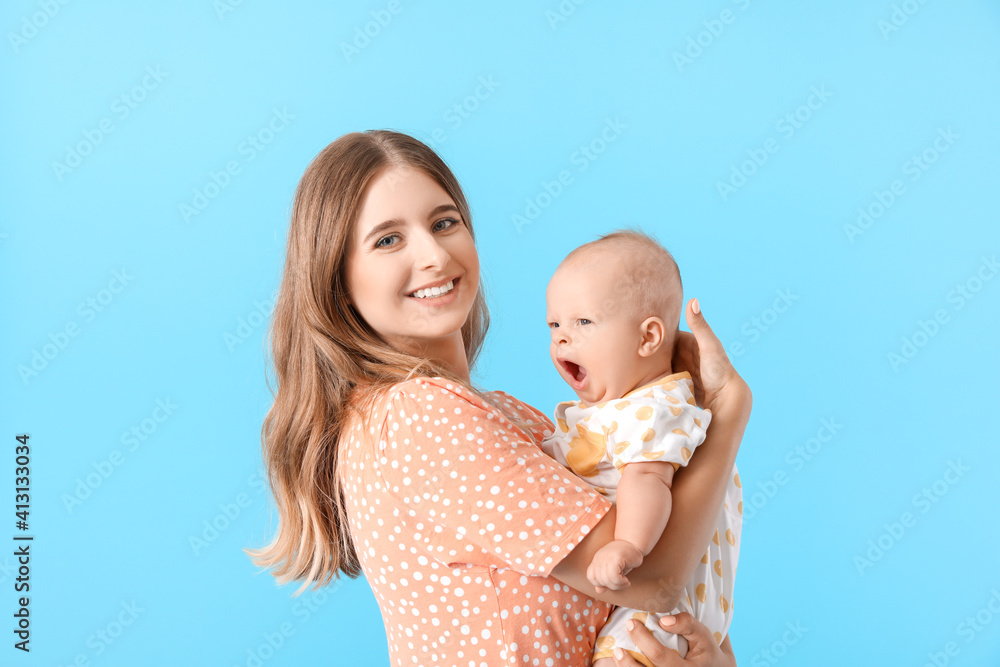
(652, 336)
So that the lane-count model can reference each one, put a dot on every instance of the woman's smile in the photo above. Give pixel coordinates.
(440, 293)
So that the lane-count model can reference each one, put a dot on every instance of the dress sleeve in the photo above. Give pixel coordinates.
(474, 488)
(654, 429)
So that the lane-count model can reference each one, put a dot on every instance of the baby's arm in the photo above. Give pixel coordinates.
(643, 510)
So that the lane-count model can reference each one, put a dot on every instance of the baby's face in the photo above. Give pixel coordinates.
(595, 337)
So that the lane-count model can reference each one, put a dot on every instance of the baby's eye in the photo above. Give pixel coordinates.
(584, 320)
(553, 325)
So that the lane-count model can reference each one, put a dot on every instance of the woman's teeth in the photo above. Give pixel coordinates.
(434, 291)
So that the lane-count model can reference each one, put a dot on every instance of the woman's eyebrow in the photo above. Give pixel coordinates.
(381, 227)
(442, 208)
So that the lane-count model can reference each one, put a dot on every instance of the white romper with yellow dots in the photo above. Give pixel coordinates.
(656, 422)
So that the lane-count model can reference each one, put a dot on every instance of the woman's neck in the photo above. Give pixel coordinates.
(455, 360)
(448, 351)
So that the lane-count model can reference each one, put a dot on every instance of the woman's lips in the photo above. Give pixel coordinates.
(441, 299)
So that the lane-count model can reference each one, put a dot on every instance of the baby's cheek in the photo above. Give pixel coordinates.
(613, 364)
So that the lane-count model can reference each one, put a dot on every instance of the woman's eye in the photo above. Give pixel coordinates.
(439, 226)
(449, 220)
(379, 244)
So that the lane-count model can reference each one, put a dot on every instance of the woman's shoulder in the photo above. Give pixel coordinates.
(428, 392)
(421, 395)
(424, 389)
(430, 387)
(517, 406)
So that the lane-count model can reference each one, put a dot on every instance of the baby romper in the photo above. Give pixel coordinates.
(656, 422)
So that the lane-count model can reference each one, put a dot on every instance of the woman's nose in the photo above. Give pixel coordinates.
(431, 254)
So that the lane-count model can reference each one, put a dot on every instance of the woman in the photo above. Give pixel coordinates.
(385, 460)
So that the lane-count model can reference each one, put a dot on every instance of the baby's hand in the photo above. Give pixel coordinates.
(610, 565)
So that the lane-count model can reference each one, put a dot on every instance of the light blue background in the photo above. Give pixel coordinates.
(554, 86)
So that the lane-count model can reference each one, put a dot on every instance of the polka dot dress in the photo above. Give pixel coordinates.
(459, 518)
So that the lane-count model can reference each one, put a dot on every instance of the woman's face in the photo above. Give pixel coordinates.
(409, 244)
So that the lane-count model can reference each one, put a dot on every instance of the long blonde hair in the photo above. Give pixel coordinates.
(326, 358)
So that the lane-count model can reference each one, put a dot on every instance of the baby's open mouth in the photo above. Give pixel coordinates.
(575, 371)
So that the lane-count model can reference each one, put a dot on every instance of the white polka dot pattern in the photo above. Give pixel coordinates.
(459, 517)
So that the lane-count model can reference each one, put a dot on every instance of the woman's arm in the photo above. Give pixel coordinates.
(727, 648)
(657, 585)
(698, 491)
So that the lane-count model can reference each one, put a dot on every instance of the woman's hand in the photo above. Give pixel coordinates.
(702, 649)
(702, 354)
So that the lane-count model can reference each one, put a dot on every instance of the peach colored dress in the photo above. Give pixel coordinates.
(459, 519)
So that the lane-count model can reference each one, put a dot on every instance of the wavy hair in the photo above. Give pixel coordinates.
(327, 360)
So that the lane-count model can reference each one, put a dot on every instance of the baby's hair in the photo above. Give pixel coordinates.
(651, 284)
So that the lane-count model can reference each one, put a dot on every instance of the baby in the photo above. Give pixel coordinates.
(613, 310)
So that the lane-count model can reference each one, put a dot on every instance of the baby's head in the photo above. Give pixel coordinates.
(613, 307)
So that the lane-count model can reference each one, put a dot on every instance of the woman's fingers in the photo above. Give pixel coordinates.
(697, 323)
(686, 352)
(624, 658)
(702, 649)
(699, 637)
(686, 358)
(717, 376)
(658, 654)
(709, 345)
(684, 624)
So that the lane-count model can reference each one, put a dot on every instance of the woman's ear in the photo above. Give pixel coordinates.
(652, 333)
